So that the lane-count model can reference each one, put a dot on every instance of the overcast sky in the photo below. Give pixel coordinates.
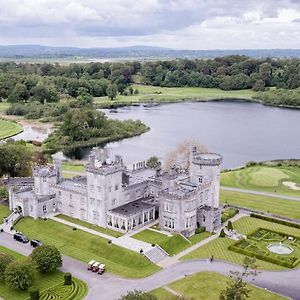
(182, 24)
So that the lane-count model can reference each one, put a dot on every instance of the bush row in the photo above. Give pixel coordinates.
(274, 220)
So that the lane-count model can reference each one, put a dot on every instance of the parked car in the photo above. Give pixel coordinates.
(95, 267)
(90, 264)
(35, 243)
(21, 237)
(101, 269)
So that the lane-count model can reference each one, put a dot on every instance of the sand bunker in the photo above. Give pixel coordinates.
(291, 185)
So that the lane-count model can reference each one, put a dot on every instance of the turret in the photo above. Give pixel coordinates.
(44, 176)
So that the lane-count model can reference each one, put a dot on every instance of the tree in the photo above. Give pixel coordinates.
(153, 162)
(5, 260)
(34, 293)
(47, 258)
(111, 91)
(259, 86)
(222, 233)
(84, 97)
(19, 274)
(237, 286)
(180, 156)
(138, 295)
(19, 93)
(68, 278)
(229, 225)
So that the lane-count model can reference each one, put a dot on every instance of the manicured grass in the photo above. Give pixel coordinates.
(162, 294)
(85, 247)
(44, 282)
(281, 207)
(74, 167)
(4, 106)
(9, 128)
(4, 212)
(91, 226)
(264, 178)
(162, 94)
(172, 245)
(247, 225)
(208, 285)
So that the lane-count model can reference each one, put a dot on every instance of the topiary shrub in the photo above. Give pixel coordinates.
(34, 293)
(222, 233)
(141, 251)
(229, 225)
(199, 230)
(68, 278)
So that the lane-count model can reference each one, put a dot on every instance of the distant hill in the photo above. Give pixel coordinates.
(138, 52)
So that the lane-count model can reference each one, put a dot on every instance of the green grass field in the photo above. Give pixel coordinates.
(264, 178)
(208, 285)
(172, 245)
(281, 207)
(9, 128)
(4, 212)
(176, 94)
(73, 167)
(85, 247)
(219, 247)
(4, 106)
(91, 226)
(53, 281)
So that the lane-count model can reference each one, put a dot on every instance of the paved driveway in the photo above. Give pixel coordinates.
(109, 287)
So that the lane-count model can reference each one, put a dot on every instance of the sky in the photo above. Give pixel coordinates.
(179, 24)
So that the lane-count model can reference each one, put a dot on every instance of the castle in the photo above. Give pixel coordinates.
(112, 196)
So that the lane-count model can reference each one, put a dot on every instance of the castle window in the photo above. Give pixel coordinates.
(98, 203)
(113, 202)
(44, 179)
(116, 187)
(71, 196)
(44, 209)
(59, 193)
(109, 189)
(201, 179)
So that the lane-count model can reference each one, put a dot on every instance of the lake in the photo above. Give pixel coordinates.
(240, 131)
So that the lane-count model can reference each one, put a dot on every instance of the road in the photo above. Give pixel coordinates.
(111, 287)
(259, 193)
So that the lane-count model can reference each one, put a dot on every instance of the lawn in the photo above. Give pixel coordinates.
(163, 94)
(173, 245)
(246, 225)
(264, 178)
(208, 285)
(45, 282)
(73, 167)
(9, 128)
(85, 247)
(91, 226)
(4, 212)
(281, 207)
(4, 106)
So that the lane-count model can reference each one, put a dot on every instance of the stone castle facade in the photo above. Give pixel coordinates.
(112, 196)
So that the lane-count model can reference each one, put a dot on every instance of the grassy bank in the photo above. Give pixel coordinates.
(208, 285)
(4, 212)
(9, 128)
(85, 247)
(48, 284)
(176, 94)
(265, 178)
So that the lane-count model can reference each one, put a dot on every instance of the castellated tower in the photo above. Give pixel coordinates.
(104, 185)
(205, 169)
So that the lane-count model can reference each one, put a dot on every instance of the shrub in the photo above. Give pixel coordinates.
(229, 225)
(19, 274)
(199, 230)
(222, 233)
(68, 278)
(5, 260)
(47, 258)
(228, 214)
(34, 293)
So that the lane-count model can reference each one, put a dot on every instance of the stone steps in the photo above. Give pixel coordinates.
(156, 254)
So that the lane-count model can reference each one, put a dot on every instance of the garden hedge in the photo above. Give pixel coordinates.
(274, 220)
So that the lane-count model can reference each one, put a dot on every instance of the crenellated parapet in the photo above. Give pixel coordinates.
(207, 159)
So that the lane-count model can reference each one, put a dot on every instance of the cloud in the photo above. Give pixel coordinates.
(172, 23)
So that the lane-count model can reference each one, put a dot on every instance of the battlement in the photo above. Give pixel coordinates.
(43, 171)
(207, 159)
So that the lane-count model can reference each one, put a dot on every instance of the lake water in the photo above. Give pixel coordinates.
(240, 131)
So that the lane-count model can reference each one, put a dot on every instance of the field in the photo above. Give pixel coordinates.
(203, 286)
(264, 178)
(85, 247)
(73, 167)
(9, 128)
(4, 212)
(91, 226)
(247, 225)
(49, 284)
(176, 94)
(281, 207)
(172, 245)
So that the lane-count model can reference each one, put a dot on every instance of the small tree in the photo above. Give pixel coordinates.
(229, 225)
(112, 91)
(237, 286)
(136, 91)
(153, 162)
(19, 274)
(5, 260)
(34, 293)
(222, 233)
(68, 278)
(47, 258)
(137, 295)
